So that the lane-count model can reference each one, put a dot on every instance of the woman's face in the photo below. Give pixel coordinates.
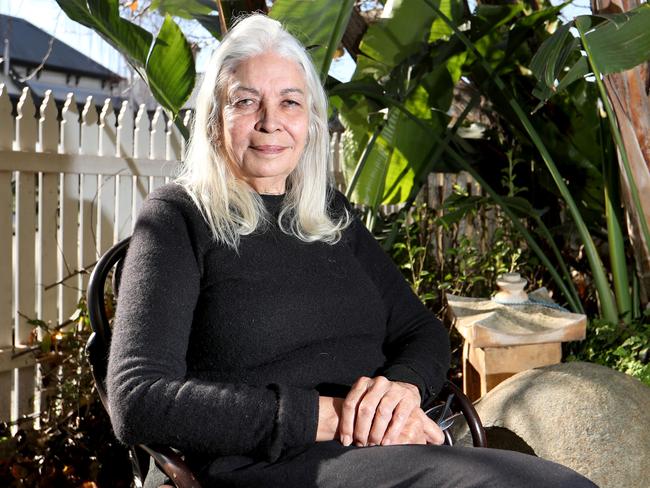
(265, 120)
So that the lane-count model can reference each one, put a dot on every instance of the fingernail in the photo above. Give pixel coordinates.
(386, 442)
(346, 440)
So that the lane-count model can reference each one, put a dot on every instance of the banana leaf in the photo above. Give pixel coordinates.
(318, 24)
(164, 62)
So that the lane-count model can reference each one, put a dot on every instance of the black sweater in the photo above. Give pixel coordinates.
(223, 352)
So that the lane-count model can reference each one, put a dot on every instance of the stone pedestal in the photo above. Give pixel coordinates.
(504, 339)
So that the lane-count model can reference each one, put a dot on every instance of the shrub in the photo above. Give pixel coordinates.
(72, 442)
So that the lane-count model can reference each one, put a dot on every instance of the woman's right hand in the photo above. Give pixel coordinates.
(417, 429)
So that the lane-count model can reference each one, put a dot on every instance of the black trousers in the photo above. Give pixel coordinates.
(330, 465)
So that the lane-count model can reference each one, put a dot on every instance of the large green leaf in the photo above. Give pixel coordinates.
(395, 161)
(557, 64)
(550, 59)
(621, 42)
(165, 63)
(391, 40)
(439, 29)
(205, 12)
(616, 43)
(170, 67)
(318, 24)
(103, 17)
(488, 18)
(187, 9)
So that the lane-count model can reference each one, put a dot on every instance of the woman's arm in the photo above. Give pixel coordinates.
(152, 400)
(416, 349)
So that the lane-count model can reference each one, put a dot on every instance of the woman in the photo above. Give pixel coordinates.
(260, 328)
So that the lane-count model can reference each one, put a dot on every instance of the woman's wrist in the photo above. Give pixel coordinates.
(329, 413)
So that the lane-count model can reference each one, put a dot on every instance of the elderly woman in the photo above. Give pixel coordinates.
(260, 328)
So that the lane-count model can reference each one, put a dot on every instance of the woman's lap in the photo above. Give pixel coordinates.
(329, 465)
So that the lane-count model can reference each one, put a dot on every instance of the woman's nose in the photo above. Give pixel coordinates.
(269, 120)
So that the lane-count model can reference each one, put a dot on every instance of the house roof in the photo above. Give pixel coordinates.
(28, 45)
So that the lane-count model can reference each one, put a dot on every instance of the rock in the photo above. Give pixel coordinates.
(588, 417)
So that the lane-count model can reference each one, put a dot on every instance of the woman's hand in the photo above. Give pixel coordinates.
(376, 410)
(419, 429)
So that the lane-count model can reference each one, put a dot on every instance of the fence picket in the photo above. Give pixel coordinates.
(69, 213)
(174, 146)
(141, 149)
(88, 202)
(107, 130)
(124, 183)
(48, 187)
(6, 222)
(25, 220)
(24, 250)
(141, 134)
(106, 203)
(158, 137)
(164, 144)
(125, 131)
(47, 213)
(6, 251)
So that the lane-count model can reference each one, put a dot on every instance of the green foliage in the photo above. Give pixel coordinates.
(606, 44)
(187, 9)
(625, 348)
(73, 443)
(319, 24)
(438, 253)
(619, 43)
(165, 62)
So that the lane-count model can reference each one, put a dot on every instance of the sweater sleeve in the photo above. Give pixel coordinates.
(416, 345)
(151, 398)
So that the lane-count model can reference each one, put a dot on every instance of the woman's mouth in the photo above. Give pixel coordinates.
(268, 149)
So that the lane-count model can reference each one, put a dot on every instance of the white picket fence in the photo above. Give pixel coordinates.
(69, 188)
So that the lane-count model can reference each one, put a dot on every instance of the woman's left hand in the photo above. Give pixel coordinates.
(376, 410)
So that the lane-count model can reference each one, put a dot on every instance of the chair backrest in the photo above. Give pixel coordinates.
(99, 342)
(97, 350)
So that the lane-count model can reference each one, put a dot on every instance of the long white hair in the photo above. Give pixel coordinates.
(229, 205)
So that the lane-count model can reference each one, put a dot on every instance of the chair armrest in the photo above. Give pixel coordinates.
(462, 403)
(173, 465)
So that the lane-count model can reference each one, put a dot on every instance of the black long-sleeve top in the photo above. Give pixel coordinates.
(225, 353)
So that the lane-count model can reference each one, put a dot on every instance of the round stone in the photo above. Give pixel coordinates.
(588, 417)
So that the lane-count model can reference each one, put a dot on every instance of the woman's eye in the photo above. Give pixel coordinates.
(292, 103)
(245, 102)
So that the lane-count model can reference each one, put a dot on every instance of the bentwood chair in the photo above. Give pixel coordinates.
(167, 459)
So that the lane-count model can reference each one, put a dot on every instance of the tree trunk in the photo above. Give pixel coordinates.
(629, 95)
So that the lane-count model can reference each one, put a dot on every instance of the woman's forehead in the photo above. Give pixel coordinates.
(237, 87)
(267, 71)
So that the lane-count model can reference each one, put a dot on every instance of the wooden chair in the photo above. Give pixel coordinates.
(166, 458)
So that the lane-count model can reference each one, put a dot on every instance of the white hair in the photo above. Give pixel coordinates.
(229, 205)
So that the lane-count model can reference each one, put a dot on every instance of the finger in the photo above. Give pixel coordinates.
(367, 408)
(349, 409)
(432, 431)
(383, 417)
(400, 416)
(412, 433)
